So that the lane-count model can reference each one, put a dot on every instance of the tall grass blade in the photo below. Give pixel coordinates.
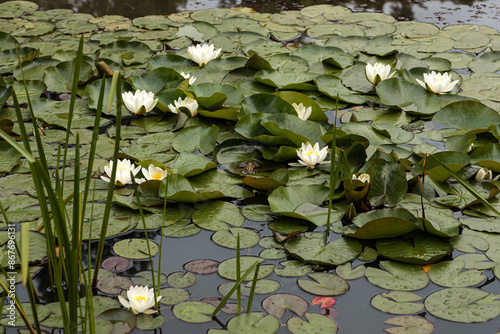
(238, 273)
(252, 289)
(116, 85)
(238, 283)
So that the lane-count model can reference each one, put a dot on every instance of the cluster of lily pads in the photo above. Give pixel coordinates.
(231, 105)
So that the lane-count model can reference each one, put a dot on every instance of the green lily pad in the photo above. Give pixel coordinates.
(316, 323)
(450, 274)
(188, 164)
(346, 271)
(398, 302)
(217, 215)
(387, 183)
(194, 312)
(421, 249)
(181, 280)
(248, 238)
(135, 248)
(457, 115)
(227, 268)
(310, 247)
(262, 287)
(146, 321)
(193, 137)
(385, 223)
(409, 324)
(301, 202)
(487, 156)
(126, 52)
(173, 296)
(399, 276)
(327, 284)
(250, 323)
(277, 304)
(293, 268)
(463, 305)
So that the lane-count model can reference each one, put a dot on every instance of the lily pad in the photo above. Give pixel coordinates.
(399, 276)
(398, 302)
(216, 215)
(451, 274)
(248, 238)
(327, 284)
(277, 304)
(194, 312)
(227, 268)
(316, 323)
(135, 248)
(465, 305)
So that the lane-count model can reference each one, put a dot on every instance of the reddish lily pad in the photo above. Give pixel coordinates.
(202, 267)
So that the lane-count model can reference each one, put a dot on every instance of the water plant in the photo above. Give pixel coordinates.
(214, 157)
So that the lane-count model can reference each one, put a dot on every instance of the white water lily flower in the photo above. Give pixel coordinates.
(123, 169)
(365, 178)
(302, 112)
(311, 155)
(378, 72)
(437, 83)
(188, 76)
(153, 173)
(202, 54)
(140, 300)
(484, 174)
(139, 102)
(189, 103)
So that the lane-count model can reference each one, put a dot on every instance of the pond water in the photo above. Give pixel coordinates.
(353, 311)
(439, 12)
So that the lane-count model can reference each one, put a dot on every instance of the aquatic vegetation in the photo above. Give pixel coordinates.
(139, 102)
(302, 112)
(202, 54)
(378, 72)
(124, 169)
(310, 156)
(398, 206)
(437, 83)
(140, 299)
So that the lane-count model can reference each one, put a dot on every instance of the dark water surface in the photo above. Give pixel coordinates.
(439, 12)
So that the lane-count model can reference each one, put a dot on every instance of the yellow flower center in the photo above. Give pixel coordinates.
(311, 153)
(157, 176)
(139, 298)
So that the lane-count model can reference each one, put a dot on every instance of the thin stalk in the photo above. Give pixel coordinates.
(109, 199)
(422, 187)
(238, 273)
(252, 289)
(141, 213)
(162, 236)
(333, 173)
(230, 293)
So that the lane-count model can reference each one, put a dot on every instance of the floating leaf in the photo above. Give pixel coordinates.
(250, 323)
(316, 323)
(450, 274)
(408, 324)
(463, 305)
(248, 238)
(135, 248)
(328, 284)
(215, 216)
(399, 276)
(181, 280)
(201, 267)
(397, 302)
(194, 312)
(278, 303)
(227, 268)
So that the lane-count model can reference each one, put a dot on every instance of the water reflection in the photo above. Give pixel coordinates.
(402, 9)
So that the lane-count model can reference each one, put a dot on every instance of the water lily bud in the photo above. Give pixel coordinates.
(484, 174)
(139, 102)
(302, 112)
(365, 178)
(378, 72)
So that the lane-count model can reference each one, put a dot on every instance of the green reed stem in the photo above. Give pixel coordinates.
(252, 289)
(230, 293)
(116, 85)
(238, 273)
(333, 173)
